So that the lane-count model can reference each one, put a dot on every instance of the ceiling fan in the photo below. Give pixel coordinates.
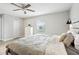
(22, 6)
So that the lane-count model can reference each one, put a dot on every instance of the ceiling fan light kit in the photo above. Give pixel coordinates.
(22, 6)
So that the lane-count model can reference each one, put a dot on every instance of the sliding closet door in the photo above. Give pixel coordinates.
(10, 27)
(0, 28)
(7, 28)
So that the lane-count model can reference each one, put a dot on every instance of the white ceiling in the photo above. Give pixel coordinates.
(40, 9)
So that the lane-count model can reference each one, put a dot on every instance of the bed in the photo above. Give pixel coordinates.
(38, 44)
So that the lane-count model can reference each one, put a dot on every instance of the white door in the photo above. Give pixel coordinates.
(0, 28)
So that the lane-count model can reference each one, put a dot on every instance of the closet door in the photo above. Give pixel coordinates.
(7, 28)
(12, 27)
(0, 28)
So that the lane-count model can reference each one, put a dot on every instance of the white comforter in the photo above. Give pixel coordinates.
(42, 42)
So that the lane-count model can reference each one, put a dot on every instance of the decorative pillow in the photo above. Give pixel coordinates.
(62, 37)
(68, 40)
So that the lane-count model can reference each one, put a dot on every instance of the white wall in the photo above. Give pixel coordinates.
(74, 14)
(12, 27)
(18, 27)
(55, 23)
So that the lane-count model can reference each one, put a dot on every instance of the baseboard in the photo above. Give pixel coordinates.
(11, 39)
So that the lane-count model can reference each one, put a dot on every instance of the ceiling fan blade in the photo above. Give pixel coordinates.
(28, 5)
(17, 9)
(21, 3)
(16, 5)
(24, 12)
(31, 10)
